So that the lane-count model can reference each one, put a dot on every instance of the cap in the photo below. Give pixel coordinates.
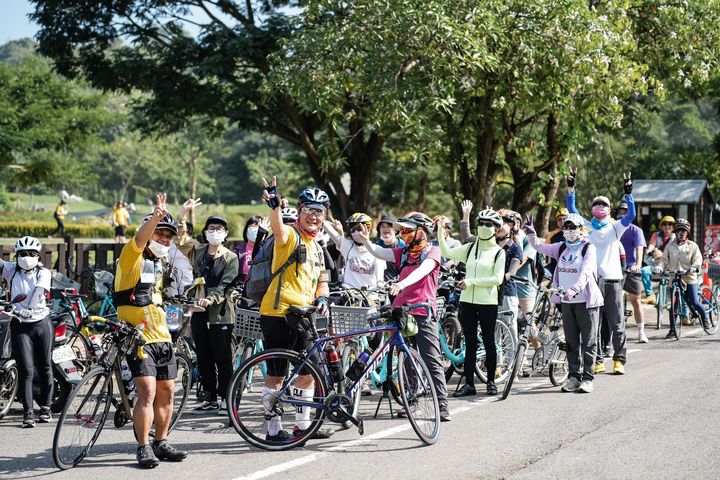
(215, 219)
(601, 199)
(575, 219)
(622, 205)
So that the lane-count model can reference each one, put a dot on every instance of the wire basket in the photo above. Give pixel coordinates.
(714, 271)
(347, 319)
(247, 324)
(103, 277)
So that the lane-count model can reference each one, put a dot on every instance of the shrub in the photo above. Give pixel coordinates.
(17, 229)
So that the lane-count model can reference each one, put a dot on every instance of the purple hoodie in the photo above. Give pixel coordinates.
(588, 271)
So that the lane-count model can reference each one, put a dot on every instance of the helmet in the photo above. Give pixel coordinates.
(416, 220)
(360, 218)
(562, 212)
(667, 219)
(622, 206)
(509, 215)
(28, 243)
(575, 219)
(490, 215)
(314, 195)
(289, 214)
(167, 222)
(682, 224)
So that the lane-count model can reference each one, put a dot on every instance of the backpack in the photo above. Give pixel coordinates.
(260, 275)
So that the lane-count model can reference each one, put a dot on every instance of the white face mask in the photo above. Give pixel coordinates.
(28, 263)
(215, 238)
(571, 236)
(252, 234)
(158, 249)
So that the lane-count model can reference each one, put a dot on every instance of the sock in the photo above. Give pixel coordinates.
(641, 329)
(302, 414)
(274, 423)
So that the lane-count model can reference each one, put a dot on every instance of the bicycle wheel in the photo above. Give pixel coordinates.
(248, 408)
(8, 388)
(661, 306)
(417, 391)
(538, 360)
(82, 419)
(451, 330)
(100, 308)
(183, 384)
(349, 354)
(559, 369)
(505, 348)
(709, 302)
(516, 362)
(675, 313)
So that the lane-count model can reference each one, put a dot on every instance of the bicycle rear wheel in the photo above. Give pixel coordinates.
(709, 302)
(82, 419)
(253, 410)
(350, 352)
(559, 369)
(183, 384)
(516, 362)
(451, 330)
(417, 391)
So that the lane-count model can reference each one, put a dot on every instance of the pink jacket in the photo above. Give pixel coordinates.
(588, 271)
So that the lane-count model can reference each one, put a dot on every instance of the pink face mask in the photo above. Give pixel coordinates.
(600, 211)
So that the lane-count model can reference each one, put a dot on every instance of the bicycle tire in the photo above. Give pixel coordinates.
(675, 316)
(96, 308)
(505, 344)
(660, 304)
(8, 388)
(349, 353)
(253, 400)
(415, 395)
(184, 375)
(557, 374)
(519, 353)
(709, 301)
(452, 331)
(95, 391)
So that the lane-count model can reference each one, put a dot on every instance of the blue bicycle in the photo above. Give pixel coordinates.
(252, 412)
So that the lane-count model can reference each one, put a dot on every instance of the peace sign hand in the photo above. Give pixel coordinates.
(189, 205)
(270, 194)
(529, 227)
(572, 174)
(160, 206)
(627, 183)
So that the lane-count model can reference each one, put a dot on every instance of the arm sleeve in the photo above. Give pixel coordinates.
(458, 254)
(570, 202)
(465, 235)
(630, 215)
(332, 233)
(549, 249)
(185, 243)
(427, 266)
(380, 252)
(261, 236)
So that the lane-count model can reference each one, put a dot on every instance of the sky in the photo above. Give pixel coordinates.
(14, 23)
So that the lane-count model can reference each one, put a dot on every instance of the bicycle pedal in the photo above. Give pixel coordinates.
(360, 426)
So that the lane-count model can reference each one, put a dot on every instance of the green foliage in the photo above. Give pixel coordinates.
(43, 229)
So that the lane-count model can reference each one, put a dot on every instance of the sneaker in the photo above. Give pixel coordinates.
(282, 436)
(650, 299)
(586, 386)
(599, 367)
(164, 451)
(321, 433)
(686, 321)
(490, 388)
(365, 389)
(465, 391)
(28, 420)
(642, 338)
(222, 407)
(146, 457)
(206, 407)
(444, 414)
(571, 385)
(618, 368)
(671, 335)
(414, 410)
(44, 416)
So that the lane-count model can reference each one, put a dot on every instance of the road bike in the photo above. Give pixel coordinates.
(706, 297)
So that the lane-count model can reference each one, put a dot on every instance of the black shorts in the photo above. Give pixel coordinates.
(278, 334)
(633, 284)
(159, 362)
(120, 230)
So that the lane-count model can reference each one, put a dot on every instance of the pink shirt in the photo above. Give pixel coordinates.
(423, 291)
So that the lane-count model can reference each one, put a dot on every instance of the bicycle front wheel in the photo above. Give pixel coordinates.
(183, 384)
(256, 410)
(559, 369)
(82, 419)
(516, 362)
(417, 391)
(505, 348)
(709, 302)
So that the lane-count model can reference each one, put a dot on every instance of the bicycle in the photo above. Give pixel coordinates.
(88, 406)
(248, 412)
(545, 322)
(705, 296)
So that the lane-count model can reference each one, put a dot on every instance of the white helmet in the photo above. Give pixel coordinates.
(28, 243)
(490, 215)
(289, 214)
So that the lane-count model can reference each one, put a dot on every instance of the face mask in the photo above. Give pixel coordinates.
(485, 233)
(215, 238)
(28, 263)
(252, 234)
(600, 211)
(571, 236)
(158, 249)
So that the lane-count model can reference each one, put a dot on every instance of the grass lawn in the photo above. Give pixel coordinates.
(27, 202)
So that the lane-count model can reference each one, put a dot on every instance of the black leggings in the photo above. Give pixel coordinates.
(486, 315)
(214, 353)
(32, 350)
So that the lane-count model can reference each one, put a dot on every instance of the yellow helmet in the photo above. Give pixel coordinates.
(562, 212)
(360, 217)
(667, 219)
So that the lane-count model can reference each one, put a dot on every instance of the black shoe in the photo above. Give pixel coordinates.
(465, 391)
(282, 436)
(671, 335)
(28, 420)
(164, 451)
(322, 433)
(146, 457)
(44, 416)
(444, 413)
(491, 388)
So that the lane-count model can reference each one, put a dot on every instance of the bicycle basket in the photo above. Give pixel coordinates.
(347, 319)
(102, 277)
(247, 324)
(714, 271)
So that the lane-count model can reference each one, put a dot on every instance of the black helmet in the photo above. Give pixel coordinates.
(682, 224)
(167, 222)
(415, 220)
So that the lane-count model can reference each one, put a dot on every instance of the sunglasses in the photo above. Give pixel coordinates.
(27, 253)
(316, 212)
(484, 223)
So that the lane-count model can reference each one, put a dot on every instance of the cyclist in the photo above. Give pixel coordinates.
(580, 303)
(59, 215)
(31, 334)
(387, 238)
(484, 271)
(138, 285)
(419, 266)
(303, 283)
(633, 241)
(362, 268)
(683, 254)
(211, 329)
(605, 236)
(658, 241)
(507, 239)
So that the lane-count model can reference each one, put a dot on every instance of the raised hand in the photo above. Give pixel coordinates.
(338, 226)
(270, 194)
(627, 183)
(160, 206)
(264, 223)
(571, 176)
(529, 227)
(362, 235)
(466, 207)
(439, 221)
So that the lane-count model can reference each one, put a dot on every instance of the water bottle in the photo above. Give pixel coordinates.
(334, 363)
(125, 372)
(96, 345)
(358, 366)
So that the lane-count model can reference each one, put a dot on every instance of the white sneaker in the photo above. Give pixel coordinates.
(571, 385)
(222, 407)
(365, 389)
(642, 338)
(586, 386)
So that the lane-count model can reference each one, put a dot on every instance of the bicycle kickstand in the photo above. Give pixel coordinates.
(385, 394)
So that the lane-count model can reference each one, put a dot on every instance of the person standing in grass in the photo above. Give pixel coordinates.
(60, 212)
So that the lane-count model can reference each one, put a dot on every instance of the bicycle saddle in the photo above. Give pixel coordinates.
(302, 311)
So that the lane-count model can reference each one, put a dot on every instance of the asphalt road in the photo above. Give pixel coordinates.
(660, 420)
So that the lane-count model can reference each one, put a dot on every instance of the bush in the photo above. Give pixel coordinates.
(43, 229)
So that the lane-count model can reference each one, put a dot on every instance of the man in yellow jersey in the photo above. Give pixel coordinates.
(303, 283)
(137, 295)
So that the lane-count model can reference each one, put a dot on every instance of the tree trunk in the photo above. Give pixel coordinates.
(193, 182)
